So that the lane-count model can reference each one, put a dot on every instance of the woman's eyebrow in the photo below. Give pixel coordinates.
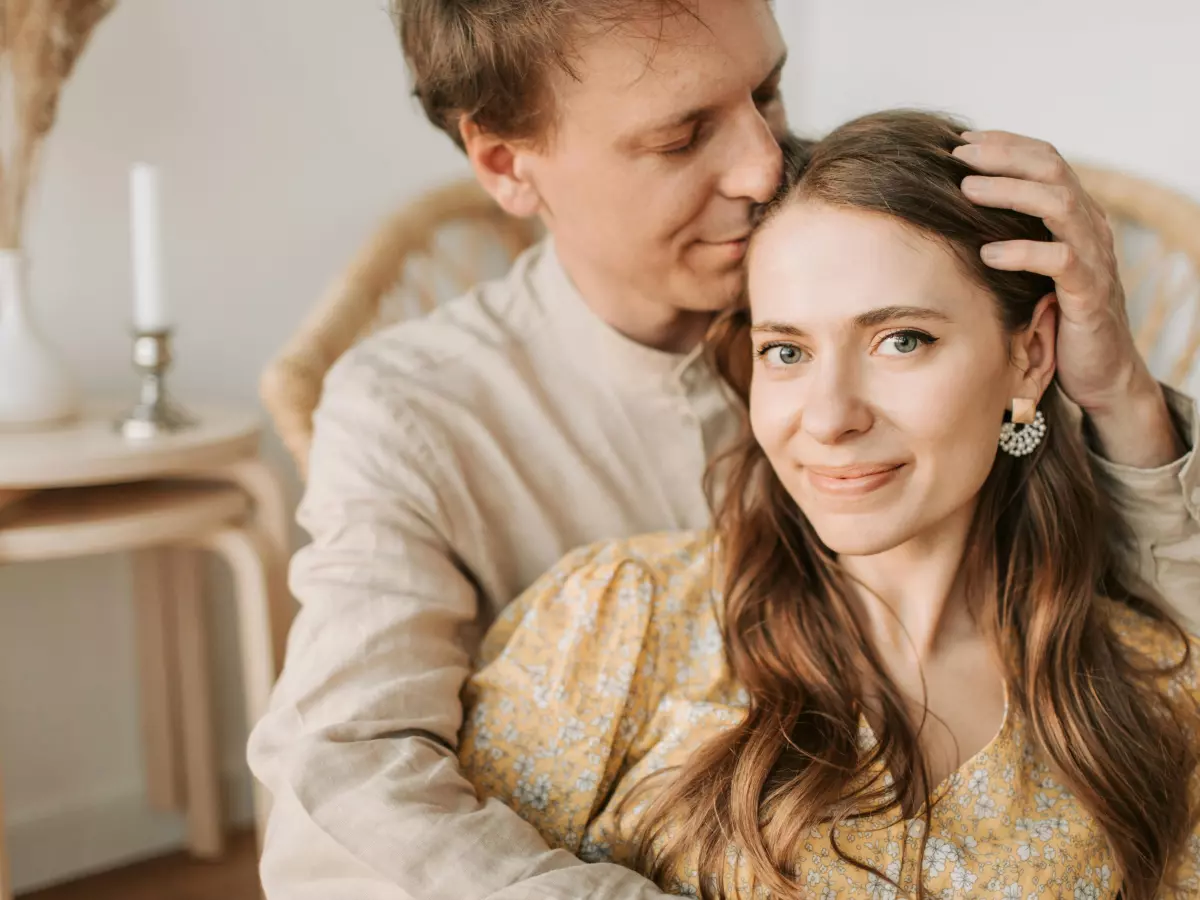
(888, 313)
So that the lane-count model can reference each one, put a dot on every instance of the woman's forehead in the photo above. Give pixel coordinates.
(828, 263)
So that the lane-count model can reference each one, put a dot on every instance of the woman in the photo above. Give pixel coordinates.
(909, 662)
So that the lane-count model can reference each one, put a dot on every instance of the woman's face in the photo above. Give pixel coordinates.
(881, 375)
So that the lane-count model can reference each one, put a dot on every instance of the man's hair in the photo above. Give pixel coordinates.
(489, 60)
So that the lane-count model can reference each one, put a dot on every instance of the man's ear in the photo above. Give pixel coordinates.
(502, 169)
(1033, 350)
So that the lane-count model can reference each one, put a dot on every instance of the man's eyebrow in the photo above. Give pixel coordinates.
(869, 319)
(691, 116)
(702, 112)
(775, 72)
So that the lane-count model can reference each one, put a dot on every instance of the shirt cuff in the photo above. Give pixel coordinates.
(1157, 502)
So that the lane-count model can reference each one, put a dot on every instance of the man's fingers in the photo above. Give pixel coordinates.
(1051, 258)
(999, 136)
(1016, 157)
(1046, 201)
(1071, 223)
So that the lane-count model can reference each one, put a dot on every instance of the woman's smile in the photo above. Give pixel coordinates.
(852, 481)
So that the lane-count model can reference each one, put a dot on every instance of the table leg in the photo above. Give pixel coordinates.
(206, 837)
(248, 556)
(154, 612)
(272, 520)
(6, 890)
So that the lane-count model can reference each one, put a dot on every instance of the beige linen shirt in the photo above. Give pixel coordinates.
(456, 458)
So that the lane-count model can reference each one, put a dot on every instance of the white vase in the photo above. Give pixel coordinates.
(37, 387)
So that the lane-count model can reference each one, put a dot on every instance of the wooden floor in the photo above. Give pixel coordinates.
(175, 877)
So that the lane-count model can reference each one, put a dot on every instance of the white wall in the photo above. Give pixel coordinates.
(284, 131)
(1109, 81)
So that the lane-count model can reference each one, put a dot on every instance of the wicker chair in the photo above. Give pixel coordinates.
(432, 250)
(1157, 235)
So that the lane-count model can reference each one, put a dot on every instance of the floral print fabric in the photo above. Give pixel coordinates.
(610, 669)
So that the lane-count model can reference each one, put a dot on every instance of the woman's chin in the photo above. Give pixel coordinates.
(847, 537)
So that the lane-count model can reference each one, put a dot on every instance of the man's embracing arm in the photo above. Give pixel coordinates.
(1149, 469)
(356, 750)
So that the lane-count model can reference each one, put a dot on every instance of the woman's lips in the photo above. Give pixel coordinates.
(851, 481)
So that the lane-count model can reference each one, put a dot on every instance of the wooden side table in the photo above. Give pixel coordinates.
(84, 489)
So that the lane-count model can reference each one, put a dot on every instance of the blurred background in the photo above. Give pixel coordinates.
(284, 132)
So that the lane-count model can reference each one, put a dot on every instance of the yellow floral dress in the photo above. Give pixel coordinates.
(611, 668)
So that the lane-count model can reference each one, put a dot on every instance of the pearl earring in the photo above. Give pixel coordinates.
(1024, 433)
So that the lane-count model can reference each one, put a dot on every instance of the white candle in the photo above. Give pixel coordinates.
(150, 310)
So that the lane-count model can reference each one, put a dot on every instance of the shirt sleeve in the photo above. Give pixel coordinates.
(368, 800)
(1162, 508)
(552, 715)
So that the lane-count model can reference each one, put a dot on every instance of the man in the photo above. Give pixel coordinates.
(456, 457)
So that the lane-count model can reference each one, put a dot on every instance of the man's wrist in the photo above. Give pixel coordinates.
(1137, 430)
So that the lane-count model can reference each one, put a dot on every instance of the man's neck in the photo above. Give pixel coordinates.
(680, 332)
(646, 320)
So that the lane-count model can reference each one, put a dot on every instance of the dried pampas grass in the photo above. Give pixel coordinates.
(40, 42)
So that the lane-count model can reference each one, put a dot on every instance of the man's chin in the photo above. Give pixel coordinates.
(715, 292)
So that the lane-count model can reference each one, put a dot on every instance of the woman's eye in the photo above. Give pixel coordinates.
(902, 343)
(781, 354)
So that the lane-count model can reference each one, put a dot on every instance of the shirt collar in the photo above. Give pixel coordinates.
(573, 321)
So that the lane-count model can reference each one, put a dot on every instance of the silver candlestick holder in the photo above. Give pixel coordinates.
(155, 413)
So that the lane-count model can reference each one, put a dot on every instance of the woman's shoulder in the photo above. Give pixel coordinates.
(678, 561)
(577, 668)
(1161, 643)
(613, 591)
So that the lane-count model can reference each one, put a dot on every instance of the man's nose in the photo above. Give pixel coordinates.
(756, 162)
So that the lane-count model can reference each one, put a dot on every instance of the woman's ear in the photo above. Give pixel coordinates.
(502, 169)
(1033, 351)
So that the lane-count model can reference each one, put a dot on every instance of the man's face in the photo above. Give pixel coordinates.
(657, 156)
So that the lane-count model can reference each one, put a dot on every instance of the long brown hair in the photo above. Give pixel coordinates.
(1044, 548)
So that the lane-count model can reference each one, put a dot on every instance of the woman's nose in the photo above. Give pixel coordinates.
(833, 406)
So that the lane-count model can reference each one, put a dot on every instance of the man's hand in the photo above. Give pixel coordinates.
(1098, 364)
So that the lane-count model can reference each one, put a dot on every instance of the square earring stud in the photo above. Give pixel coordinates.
(1023, 411)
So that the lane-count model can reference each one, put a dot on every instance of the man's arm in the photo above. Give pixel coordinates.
(1160, 501)
(369, 803)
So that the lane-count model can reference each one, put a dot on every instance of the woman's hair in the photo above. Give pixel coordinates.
(1044, 548)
